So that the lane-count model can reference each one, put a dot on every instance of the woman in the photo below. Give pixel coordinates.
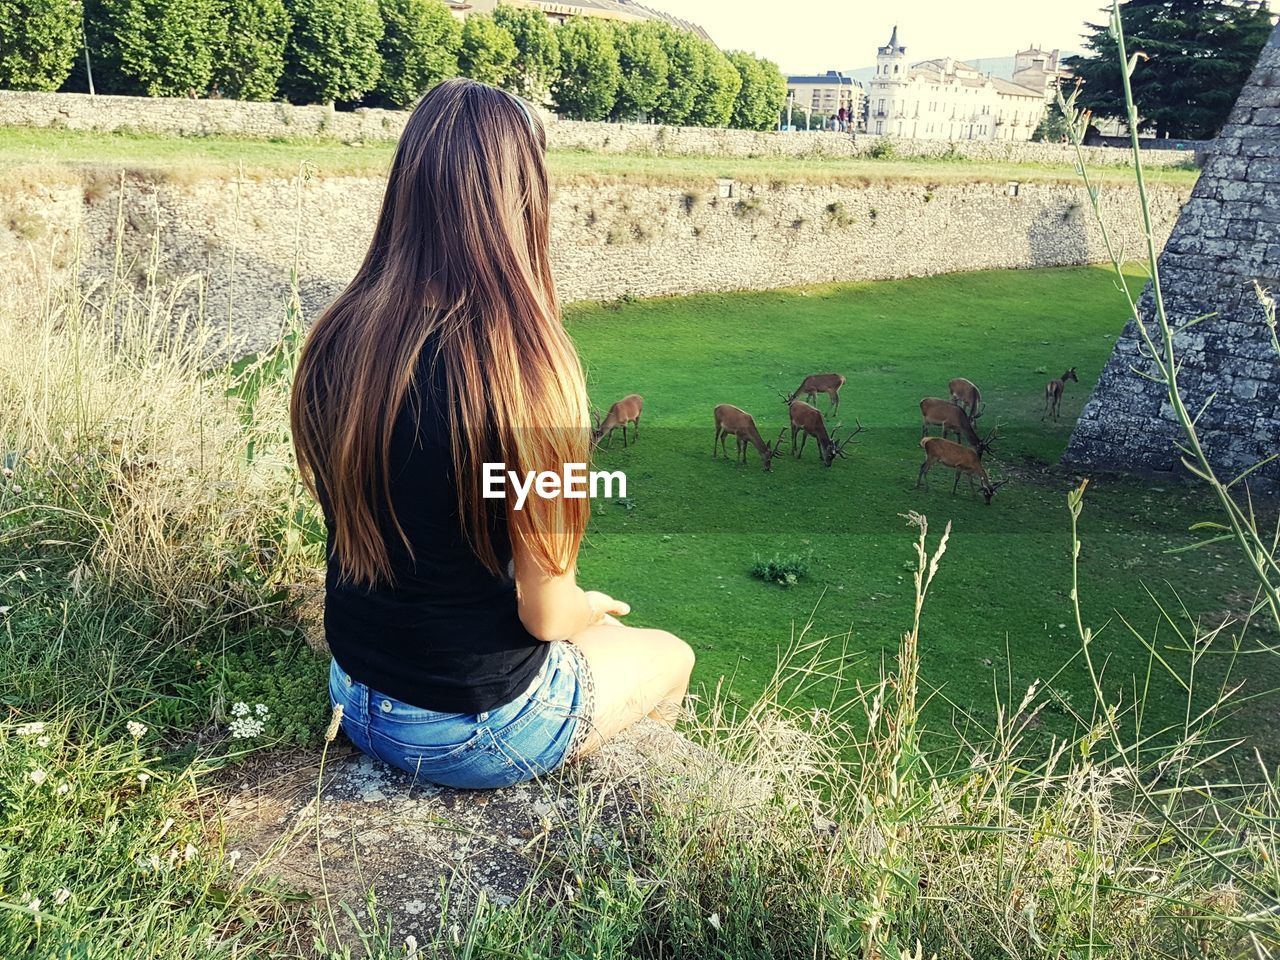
(464, 651)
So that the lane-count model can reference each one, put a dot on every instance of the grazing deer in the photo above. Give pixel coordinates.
(938, 412)
(625, 411)
(808, 422)
(735, 421)
(966, 396)
(816, 383)
(961, 459)
(1053, 393)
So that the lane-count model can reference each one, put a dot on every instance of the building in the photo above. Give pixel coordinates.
(826, 93)
(948, 99)
(1039, 69)
(560, 10)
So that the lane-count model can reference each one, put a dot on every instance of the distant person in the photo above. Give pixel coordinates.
(464, 651)
(842, 118)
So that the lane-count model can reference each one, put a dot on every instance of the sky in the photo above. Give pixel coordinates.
(820, 35)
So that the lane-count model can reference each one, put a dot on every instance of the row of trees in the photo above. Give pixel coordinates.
(382, 52)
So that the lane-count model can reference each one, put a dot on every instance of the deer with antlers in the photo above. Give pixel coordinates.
(938, 412)
(967, 396)
(736, 422)
(816, 383)
(625, 411)
(960, 458)
(1053, 393)
(808, 422)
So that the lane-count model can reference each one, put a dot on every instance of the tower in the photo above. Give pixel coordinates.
(891, 59)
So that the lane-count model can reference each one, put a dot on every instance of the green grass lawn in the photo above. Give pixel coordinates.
(681, 547)
(26, 152)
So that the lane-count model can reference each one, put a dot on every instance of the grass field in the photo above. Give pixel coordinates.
(680, 549)
(151, 527)
(26, 152)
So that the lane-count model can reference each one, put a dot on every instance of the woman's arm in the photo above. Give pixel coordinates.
(555, 607)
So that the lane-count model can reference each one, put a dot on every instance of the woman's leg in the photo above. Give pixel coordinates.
(636, 673)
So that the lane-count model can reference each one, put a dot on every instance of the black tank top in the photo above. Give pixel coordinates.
(446, 635)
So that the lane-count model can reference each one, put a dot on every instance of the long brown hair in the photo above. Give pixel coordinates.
(459, 256)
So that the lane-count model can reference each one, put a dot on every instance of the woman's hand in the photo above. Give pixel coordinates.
(604, 607)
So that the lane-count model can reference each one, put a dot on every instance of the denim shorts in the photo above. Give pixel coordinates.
(532, 735)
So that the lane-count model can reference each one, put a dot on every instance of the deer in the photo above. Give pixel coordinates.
(966, 396)
(1053, 393)
(806, 418)
(960, 458)
(816, 383)
(938, 412)
(736, 422)
(625, 411)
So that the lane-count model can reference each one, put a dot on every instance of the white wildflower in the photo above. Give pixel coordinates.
(63, 788)
(136, 729)
(38, 776)
(153, 860)
(410, 947)
(30, 729)
(714, 920)
(239, 709)
(189, 851)
(61, 896)
(17, 488)
(246, 728)
(232, 858)
(143, 778)
(164, 828)
(261, 709)
(34, 904)
(43, 741)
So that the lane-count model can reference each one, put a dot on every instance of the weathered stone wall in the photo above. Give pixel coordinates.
(608, 240)
(77, 111)
(1227, 238)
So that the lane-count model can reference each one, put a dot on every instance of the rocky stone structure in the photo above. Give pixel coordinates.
(365, 825)
(609, 239)
(183, 117)
(1226, 243)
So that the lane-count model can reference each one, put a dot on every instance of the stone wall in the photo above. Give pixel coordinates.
(609, 240)
(1226, 240)
(185, 117)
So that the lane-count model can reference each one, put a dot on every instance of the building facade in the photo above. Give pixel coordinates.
(948, 99)
(826, 93)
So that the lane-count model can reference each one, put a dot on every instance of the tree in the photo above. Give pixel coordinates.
(587, 85)
(537, 50)
(762, 93)
(251, 59)
(419, 48)
(332, 53)
(1200, 54)
(719, 85)
(488, 52)
(686, 55)
(39, 40)
(154, 48)
(643, 66)
(1053, 126)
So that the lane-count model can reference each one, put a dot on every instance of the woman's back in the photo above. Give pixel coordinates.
(446, 633)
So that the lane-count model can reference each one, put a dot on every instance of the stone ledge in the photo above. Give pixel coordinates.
(411, 842)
